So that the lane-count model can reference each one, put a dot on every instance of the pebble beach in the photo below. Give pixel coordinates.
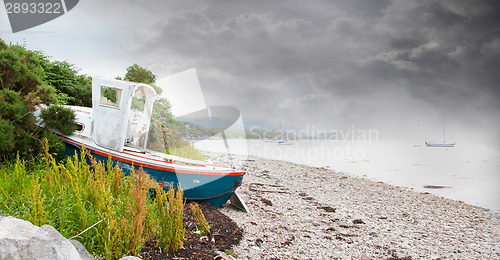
(303, 212)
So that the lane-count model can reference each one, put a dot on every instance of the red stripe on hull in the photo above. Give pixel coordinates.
(152, 166)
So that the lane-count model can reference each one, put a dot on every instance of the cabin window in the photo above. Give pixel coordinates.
(138, 103)
(110, 96)
(79, 127)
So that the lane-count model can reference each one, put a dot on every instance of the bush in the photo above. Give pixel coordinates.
(201, 222)
(18, 131)
(22, 88)
(59, 118)
(170, 205)
(109, 213)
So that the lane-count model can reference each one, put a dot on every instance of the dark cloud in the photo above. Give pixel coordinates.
(342, 50)
(379, 63)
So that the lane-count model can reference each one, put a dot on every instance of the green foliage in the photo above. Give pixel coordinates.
(161, 129)
(36, 213)
(21, 70)
(110, 94)
(187, 150)
(109, 213)
(201, 222)
(170, 205)
(136, 73)
(3, 45)
(59, 118)
(164, 137)
(161, 108)
(22, 89)
(138, 103)
(18, 132)
(44, 94)
(162, 111)
(72, 89)
(7, 136)
(13, 108)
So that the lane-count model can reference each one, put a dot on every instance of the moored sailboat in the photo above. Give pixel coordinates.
(444, 143)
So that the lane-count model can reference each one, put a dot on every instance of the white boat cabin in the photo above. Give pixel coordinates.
(121, 114)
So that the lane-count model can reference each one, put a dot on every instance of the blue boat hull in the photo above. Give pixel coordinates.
(215, 189)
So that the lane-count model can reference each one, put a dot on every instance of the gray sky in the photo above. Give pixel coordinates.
(393, 66)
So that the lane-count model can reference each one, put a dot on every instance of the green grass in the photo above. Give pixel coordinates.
(75, 195)
(186, 150)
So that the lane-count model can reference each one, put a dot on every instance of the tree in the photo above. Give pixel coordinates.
(163, 124)
(72, 89)
(22, 89)
(21, 70)
(59, 118)
(136, 73)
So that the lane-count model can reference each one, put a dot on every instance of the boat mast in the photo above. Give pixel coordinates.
(281, 131)
(444, 128)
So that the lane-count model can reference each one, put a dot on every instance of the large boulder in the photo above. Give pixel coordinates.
(19, 239)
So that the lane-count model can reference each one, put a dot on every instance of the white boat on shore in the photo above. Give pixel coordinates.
(116, 129)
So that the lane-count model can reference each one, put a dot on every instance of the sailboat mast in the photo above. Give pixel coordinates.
(444, 128)
(281, 132)
(444, 144)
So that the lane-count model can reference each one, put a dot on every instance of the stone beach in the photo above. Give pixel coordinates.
(303, 212)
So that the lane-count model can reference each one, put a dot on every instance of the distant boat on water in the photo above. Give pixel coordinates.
(281, 140)
(443, 144)
(285, 142)
(439, 145)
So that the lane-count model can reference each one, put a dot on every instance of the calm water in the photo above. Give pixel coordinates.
(470, 172)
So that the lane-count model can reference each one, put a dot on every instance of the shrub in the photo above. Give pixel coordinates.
(22, 88)
(59, 118)
(202, 223)
(18, 132)
(96, 204)
(170, 206)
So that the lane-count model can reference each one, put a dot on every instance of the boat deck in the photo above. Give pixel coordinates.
(148, 156)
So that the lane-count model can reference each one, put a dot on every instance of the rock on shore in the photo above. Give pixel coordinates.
(19, 239)
(305, 212)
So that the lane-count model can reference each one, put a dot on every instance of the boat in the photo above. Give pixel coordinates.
(429, 144)
(285, 142)
(116, 128)
(443, 144)
(281, 140)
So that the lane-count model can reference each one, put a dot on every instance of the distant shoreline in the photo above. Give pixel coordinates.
(470, 177)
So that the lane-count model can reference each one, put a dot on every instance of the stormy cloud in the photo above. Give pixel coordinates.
(396, 66)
